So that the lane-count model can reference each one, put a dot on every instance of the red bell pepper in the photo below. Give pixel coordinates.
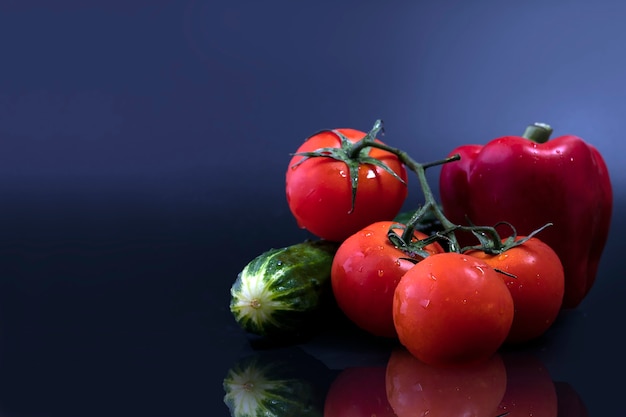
(530, 181)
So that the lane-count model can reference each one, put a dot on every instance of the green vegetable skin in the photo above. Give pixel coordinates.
(280, 291)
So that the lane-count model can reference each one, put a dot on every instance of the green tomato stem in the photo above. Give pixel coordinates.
(367, 141)
(430, 203)
(488, 237)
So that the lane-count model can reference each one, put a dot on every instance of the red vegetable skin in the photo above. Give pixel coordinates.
(537, 287)
(365, 272)
(452, 309)
(563, 181)
(319, 189)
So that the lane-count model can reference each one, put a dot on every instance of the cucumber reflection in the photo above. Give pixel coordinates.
(278, 382)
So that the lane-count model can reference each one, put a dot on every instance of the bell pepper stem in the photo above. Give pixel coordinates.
(538, 132)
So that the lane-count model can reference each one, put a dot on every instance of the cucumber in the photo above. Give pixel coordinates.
(281, 291)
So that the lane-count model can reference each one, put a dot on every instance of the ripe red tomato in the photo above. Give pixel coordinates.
(452, 308)
(319, 190)
(417, 389)
(537, 289)
(365, 272)
(358, 392)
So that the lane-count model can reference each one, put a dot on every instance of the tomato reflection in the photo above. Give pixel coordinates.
(530, 390)
(358, 392)
(570, 402)
(417, 389)
(511, 384)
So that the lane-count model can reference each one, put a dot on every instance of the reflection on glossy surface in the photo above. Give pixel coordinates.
(570, 403)
(390, 382)
(359, 392)
(280, 382)
(530, 390)
(416, 389)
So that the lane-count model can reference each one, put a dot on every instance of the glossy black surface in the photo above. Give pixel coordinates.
(143, 146)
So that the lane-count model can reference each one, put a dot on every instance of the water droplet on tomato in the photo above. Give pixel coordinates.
(381, 272)
(367, 233)
(425, 303)
(371, 174)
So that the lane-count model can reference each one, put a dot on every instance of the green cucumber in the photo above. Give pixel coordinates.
(280, 291)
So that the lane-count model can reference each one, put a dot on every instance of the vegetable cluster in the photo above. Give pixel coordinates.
(452, 282)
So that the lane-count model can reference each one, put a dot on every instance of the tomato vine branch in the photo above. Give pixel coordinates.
(488, 237)
(354, 154)
(430, 203)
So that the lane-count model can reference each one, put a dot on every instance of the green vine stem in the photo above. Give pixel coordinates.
(353, 154)
(430, 204)
(488, 237)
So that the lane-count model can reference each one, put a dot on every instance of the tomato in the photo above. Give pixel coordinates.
(365, 272)
(452, 308)
(537, 288)
(319, 189)
(358, 392)
(417, 389)
(530, 390)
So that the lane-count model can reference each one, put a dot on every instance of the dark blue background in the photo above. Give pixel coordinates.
(143, 145)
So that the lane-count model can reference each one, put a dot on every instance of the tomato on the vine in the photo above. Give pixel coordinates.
(452, 308)
(537, 287)
(320, 189)
(365, 272)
